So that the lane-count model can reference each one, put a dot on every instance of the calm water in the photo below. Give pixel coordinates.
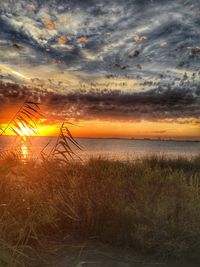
(115, 148)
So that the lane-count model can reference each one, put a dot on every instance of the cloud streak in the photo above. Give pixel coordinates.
(156, 104)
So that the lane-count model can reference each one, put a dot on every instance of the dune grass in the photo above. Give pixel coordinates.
(151, 205)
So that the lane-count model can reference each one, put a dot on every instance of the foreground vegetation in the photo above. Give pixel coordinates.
(151, 205)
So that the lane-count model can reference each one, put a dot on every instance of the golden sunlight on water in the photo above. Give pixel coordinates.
(24, 150)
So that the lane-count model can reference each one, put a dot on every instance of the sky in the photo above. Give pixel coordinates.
(122, 69)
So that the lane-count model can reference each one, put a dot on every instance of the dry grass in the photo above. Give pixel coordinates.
(151, 205)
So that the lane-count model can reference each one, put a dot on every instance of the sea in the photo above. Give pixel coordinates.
(120, 149)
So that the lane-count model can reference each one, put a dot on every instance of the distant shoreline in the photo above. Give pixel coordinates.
(120, 138)
(141, 139)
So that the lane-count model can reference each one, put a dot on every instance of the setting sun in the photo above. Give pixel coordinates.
(24, 131)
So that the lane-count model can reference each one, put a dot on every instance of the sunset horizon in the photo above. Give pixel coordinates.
(99, 125)
(99, 133)
(134, 80)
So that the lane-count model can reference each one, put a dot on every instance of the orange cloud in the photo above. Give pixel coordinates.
(61, 40)
(82, 40)
(49, 24)
(138, 38)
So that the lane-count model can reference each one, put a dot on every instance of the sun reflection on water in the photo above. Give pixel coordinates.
(24, 151)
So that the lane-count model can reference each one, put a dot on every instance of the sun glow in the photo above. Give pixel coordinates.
(126, 129)
(22, 130)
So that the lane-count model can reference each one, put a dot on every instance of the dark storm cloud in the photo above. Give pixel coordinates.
(156, 104)
(151, 105)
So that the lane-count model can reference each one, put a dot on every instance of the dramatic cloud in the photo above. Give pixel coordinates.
(116, 36)
(155, 104)
(152, 41)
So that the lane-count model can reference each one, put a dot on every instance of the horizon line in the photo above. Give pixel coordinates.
(122, 138)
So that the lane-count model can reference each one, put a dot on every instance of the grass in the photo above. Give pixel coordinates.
(151, 205)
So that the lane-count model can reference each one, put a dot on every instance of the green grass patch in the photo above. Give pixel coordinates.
(151, 205)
